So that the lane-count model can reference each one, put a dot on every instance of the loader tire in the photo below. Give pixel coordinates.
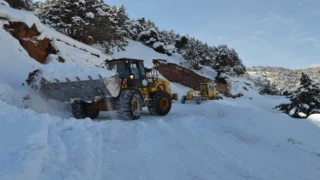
(91, 113)
(198, 100)
(129, 105)
(160, 103)
(183, 99)
(78, 109)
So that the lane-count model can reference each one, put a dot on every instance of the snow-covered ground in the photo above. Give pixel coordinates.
(242, 138)
(214, 140)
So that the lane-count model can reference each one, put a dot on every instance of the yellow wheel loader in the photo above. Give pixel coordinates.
(207, 91)
(126, 92)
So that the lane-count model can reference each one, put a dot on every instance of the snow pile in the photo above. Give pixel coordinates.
(2, 2)
(60, 71)
(244, 86)
(315, 118)
(22, 153)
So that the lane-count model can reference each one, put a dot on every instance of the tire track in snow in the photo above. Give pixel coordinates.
(123, 157)
(72, 152)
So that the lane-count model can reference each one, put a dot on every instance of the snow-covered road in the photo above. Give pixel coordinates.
(213, 140)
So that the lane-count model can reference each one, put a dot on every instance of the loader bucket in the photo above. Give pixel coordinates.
(85, 90)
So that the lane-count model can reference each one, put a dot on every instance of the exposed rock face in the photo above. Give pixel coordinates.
(187, 77)
(178, 74)
(37, 49)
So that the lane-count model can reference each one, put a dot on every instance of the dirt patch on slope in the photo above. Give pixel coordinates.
(186, 77)
(39, 49)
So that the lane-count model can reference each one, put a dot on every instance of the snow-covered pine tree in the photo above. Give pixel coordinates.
(181, 42)
(305, 80)
(270, 89)
(21, 4)
(88, 21)
(149, 34)
(304, 101)
(193, 52)
(227, 61)
(117, 18)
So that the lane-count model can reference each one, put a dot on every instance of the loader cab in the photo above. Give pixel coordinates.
(207, 89)
(131, 70)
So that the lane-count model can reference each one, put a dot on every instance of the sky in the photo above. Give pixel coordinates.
(281, 33)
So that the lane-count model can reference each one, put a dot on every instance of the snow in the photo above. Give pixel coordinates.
(137, 50)
(292, 111)
(225, 142)
(76, 19)
(90, 15)
(15, 61)
(157, 44)
(243, 138)
(315, 118)
(4, 3)
(79, 56)
(60, 71)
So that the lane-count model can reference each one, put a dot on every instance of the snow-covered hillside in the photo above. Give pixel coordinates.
(242, 138)
(282, 78)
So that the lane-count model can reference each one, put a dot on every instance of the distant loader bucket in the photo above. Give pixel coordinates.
(85, 90)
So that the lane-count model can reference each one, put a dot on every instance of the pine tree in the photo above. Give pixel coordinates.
(21, 4)
(88, 21)
(181, 43)
(304, 101)
(270, 89)
(227, 61)
(193, 52)
(305, 80)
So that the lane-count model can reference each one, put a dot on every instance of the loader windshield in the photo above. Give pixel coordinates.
(203, 87)
(119, 67)
(137, 69)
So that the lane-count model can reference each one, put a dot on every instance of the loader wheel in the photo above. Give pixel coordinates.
(129, 105)
(160, 103)
(198, 100)
(78, 109)
(183, 99)
(92, 113)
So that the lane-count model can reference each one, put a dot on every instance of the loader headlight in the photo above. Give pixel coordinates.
(131, 76)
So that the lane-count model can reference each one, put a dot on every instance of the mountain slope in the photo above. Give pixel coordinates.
(282, 78)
